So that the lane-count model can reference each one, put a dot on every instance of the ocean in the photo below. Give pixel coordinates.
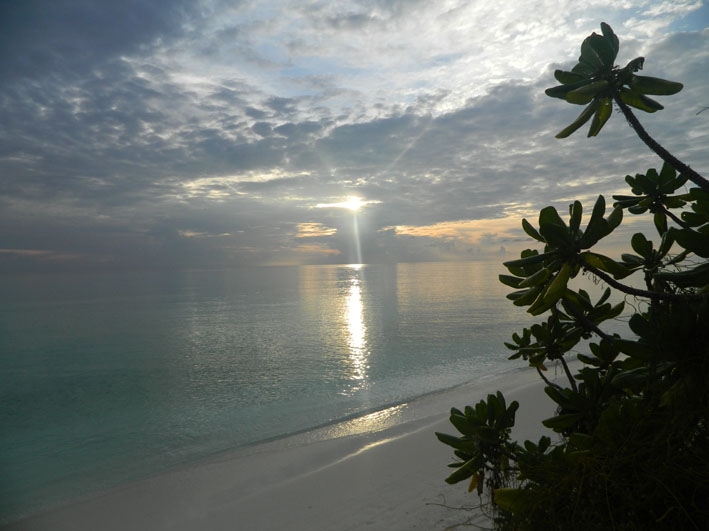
(108, 378)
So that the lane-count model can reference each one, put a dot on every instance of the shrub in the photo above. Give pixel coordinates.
(632, 432)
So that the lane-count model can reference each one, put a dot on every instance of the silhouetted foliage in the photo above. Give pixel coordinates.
(631, 449)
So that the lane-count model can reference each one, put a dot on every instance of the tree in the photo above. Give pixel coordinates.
(632, 422)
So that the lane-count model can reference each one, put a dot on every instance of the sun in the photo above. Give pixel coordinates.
(353, 203)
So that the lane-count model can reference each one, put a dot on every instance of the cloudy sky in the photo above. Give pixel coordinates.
(210, 133)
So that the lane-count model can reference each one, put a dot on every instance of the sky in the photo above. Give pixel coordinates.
(217, 134)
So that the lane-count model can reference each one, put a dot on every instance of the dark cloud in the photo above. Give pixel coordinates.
(113, 153)
(40, 37)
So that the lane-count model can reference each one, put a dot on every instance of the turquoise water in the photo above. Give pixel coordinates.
(109, 377)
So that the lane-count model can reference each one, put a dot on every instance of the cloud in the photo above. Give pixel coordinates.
(204, 134)
(314, 230)
(41, 38)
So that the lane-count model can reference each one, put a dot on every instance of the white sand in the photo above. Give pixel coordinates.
(383, 472)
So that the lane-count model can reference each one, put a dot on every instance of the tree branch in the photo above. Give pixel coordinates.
(569, 375)
(675, 218)
(546, 380)
(589, 325)
(657, 148)
(653, 295)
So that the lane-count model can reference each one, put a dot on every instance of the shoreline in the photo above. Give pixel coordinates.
(381, 470)
(375, 418)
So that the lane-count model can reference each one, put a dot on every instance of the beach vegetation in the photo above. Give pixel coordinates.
(628, 444)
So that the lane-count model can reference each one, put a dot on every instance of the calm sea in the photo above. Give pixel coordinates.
(109, 377)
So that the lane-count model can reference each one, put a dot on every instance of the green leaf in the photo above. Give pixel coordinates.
(560, 91)
(668, 182)
(540, 277)
(638, 209)
(563, 421)
(693, 219)
(632, 260)
(539, 306)
(639, 101)
(633, 199)
(584, 117)
(568, 78)
(660, 221)
(693, 241)
(509, 280)
(508, 419)
(599, 208)
(459, 443)
(588, 360)
(464, 472)
(580, 300)
(605, 296)
(635, 65)
(557, 287)
(641, 326)
(674, 202)
(651, 104)
(668, 239)
(531, 231)
(601, 116)
(697, 194)
(556, 236)
(597, 227)
(557, 396)
(632, 182)
(586, 92)
(584, 68)
(654, 86)
(529, 260)
(641, 245)
(605, 48)
(631, 378)
(550, 216)
(649, 180)
(575, 213)
(606, 264)
(615, 218)
(462, 424)
(611, 38)
(524, 298)
(596, 52)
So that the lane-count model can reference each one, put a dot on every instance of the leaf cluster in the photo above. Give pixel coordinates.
(595, 81)
(541, 279)
(484, 447)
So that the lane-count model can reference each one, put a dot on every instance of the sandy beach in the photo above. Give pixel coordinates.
(384, 471)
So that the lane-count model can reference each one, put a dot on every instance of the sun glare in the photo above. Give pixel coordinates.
(352, 203)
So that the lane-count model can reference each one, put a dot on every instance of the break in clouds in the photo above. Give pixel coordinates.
(214, 134)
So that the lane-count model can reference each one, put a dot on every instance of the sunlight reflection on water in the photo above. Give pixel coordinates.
(356, 328)
(370, 423)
